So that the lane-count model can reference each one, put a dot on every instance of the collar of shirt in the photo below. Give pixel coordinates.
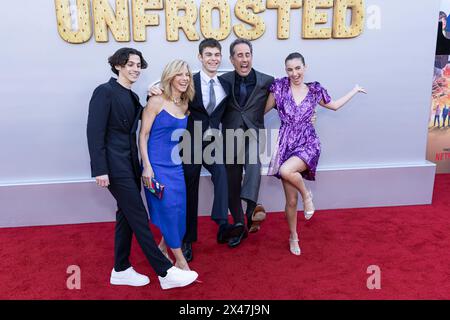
(123, 90)
(218, 89)
(250, 78)
(205, 78)
(116, 83)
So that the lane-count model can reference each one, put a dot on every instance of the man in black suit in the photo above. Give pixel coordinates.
(249, 90)
(114, 113)
(206, 111)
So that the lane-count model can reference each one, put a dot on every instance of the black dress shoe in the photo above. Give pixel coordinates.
(186, 248)
(222, 234)
(228, 231)
(235, 241)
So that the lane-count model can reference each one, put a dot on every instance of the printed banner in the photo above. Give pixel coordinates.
(438, 150)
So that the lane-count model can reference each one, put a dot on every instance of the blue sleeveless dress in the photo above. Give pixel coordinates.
(168, 213)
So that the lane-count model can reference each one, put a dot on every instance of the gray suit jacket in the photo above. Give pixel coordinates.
(252, 114)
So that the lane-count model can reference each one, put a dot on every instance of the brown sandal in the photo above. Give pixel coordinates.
(258, 216)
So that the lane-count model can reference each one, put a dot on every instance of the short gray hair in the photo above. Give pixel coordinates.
(240, 41)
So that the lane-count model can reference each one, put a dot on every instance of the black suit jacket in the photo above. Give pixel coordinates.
(198, 110)
(111, 133)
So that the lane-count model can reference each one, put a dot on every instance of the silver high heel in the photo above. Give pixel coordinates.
(294, 247)
(310, 213)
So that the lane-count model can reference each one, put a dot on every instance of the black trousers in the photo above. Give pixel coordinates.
(131, 217)
(219, 211)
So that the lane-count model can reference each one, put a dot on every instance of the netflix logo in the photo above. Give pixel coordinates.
(442, 156)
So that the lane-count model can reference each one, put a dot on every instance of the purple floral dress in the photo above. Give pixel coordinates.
(297, 136)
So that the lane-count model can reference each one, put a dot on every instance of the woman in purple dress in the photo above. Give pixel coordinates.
(298, 147)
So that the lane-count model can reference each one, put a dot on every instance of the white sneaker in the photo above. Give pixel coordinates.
(177, 278)
(128, 277)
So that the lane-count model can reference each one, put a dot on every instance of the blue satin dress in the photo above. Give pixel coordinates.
(168, 213)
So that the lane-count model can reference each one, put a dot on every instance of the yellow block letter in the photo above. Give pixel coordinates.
(257, 23)
(206, 9)
(118, 23)
(284, 14)
(186, 22)
(141, 20)
(63, 17)
(340, 29)
(311, 17)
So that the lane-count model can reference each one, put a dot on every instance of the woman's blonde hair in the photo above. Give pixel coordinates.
(171, 70)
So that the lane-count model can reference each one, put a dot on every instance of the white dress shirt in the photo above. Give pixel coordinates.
(218, 89)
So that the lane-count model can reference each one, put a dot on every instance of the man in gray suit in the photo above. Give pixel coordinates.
(244, 115)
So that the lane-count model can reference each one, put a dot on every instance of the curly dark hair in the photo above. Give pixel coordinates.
(121, 56)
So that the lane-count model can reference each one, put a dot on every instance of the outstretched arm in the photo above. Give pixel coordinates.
(336, 105)
(270, 103)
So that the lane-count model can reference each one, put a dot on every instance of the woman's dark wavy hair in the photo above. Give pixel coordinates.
(295, 55)
(121, 56)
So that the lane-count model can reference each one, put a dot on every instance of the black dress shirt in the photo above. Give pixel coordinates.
(250, 83)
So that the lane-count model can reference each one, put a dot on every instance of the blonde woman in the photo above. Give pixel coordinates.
(163, 115)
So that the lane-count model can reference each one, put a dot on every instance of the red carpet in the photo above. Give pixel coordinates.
(409, 244)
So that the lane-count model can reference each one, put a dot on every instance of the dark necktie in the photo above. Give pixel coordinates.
(242, 93)
(212, 98)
